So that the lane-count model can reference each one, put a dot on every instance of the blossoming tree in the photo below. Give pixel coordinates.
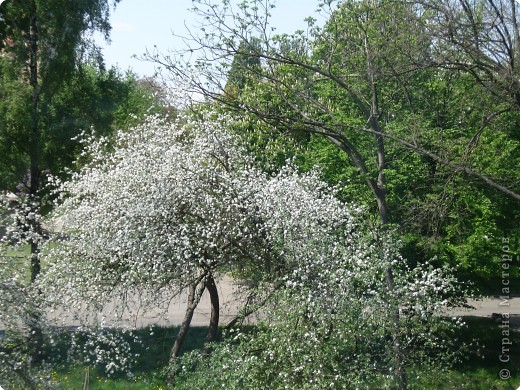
(171, 206)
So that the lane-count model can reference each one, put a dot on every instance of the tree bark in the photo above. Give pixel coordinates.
(34, 170)
(380, 195)
(36, 334)
(194, 295)
(215, 309)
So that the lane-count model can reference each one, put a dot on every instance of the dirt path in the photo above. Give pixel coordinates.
(230, 305)
(509, 308)
(173, 315)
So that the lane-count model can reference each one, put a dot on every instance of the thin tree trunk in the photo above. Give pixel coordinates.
(34, 171)
(36, 334)
(215, 309)
(196, 289)
(194, 295)
(399, 369)
(380, 194)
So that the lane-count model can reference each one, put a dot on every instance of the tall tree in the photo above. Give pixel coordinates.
(355, 83)
(94, 102)
(42, 42)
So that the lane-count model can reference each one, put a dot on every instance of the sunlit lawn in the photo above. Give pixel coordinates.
(85, 377)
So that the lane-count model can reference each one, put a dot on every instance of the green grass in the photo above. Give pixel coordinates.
(74, 378)
(480, 369)
(154, 350)
(17, 259)
(476, 379)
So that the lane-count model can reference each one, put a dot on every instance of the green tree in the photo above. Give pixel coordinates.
(244, 68)
(42, 43)
(359, 83)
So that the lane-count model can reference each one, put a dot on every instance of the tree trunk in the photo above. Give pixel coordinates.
(195, 293)
(36, 334)
(380, 194)
(215, 309)
(399, 370)
(34, 171)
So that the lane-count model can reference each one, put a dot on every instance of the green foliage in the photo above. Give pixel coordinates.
(330, 326)
(92, 101)
(371, 61)
(244, 68)
(479, 370)
(442, 214)
(242, 362)
(14, 119)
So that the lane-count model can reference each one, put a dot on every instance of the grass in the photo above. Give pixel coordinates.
(75, 377)
(480, 369)
(476, 379)
(153, 350)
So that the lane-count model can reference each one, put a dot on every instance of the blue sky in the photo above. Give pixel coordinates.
(137, 25)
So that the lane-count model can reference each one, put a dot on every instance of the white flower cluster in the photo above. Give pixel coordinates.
(171, 200)
(103, 347)
(24, 226)
(168, 200)
(20, 301)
